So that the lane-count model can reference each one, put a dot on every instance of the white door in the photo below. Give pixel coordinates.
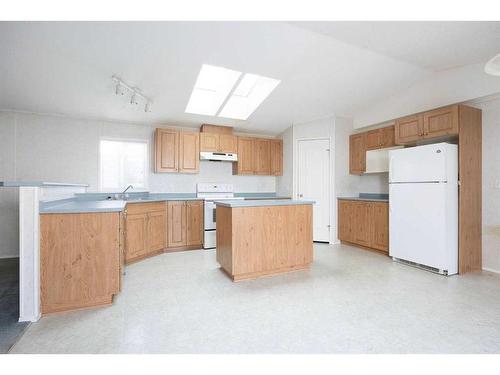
(314, 183)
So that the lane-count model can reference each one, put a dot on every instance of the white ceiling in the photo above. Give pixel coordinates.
(429, 44)
(66, 67)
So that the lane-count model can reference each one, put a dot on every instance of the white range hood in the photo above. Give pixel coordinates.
(377, 161)
(218, 156)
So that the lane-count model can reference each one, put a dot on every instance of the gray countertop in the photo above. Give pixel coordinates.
(83, 206)
(260, 202)
(374, 197)
(38, 184)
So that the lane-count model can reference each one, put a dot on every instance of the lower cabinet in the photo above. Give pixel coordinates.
(185, 224)
(145, 230)
(79, 260)
(364, 223)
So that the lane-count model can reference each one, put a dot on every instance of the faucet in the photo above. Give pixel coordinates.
(128, 187)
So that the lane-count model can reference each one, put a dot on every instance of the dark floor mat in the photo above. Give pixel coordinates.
(10, 328)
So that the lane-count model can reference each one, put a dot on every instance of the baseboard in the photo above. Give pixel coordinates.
(490, 270)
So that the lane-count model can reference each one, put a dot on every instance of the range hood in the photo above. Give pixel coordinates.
(377, 161)
(218, 156)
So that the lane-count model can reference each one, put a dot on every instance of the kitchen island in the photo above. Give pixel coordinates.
(262, 238)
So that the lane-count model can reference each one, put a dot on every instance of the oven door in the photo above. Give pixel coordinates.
(209, 215)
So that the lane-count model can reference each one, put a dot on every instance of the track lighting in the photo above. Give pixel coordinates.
(136, 94)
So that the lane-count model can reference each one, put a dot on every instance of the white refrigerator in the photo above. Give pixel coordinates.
(423, 206)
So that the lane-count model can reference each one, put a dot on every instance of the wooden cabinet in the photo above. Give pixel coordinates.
(380, 138)
(145, 230)
(185, 224)
(262, 155)
(246, 160)
(166, 150)
(438, 123)
(194, 226)
(276, 157)
(177, 151)
(79, 260)
(388, 136)
(357, 153)
(441, 122)
(364, 223)
(214, 142)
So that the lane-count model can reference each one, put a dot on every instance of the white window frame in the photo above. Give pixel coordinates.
(147, 161)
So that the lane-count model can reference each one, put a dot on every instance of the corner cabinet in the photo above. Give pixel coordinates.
(177, 151)
(364, 223)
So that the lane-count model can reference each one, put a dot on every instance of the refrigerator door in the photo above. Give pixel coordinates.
(419, 164)
(422, 226)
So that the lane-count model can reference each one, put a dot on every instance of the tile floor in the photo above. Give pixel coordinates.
(350, 301)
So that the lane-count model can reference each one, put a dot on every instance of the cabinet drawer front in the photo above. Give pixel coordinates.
(141, 208)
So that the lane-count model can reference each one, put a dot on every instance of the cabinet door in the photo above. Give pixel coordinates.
(262, 156)
(166, 150)
(277, 157)
(209, 142)
(194, 218)
(409, 129)
(357, 153)
(135, 236)
(441, 122)
(361, 233)
(345, 220)
(380, 225)
(228, 143)
(157, 231)
(189, 152)
(388, 136)
(176, 223)
(374, 139)
(245, 164)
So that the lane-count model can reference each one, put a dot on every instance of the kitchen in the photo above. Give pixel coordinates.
(152, 209)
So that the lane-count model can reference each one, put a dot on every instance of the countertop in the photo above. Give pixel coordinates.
(38, 184)
(260, 203)
(84, 206)
(368, 197)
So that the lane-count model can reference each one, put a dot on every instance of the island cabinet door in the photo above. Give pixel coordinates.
(194, 219)
(136, 233)
(176, 223)
(157, 231)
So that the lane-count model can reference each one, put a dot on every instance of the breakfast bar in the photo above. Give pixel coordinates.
(262, 238)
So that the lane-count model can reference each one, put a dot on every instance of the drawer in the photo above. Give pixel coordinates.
(141, 208)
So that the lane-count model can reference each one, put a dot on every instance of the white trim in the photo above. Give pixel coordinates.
(29, 254)
(490, 270)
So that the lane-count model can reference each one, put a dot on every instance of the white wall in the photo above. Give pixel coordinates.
(53, 148)
(439, 89)
(491, 185)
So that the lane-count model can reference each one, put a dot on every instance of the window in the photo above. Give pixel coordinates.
(216, 85)
(123, 163)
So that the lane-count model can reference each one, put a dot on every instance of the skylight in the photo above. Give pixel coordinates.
(250, 93)
(211, 89)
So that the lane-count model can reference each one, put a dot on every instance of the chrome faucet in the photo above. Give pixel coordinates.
(128, 187)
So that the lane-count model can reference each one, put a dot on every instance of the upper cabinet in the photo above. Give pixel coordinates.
(259, 156)
(380, 138)
(357, 153)
(177, 151)
(214, 142)
(440, 122)
(276, 157)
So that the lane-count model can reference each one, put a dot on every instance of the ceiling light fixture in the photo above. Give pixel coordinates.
(135, 93)
(492, 67)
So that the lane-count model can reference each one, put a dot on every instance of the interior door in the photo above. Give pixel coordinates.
(314, 183)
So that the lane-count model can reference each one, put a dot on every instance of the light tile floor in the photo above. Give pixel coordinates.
(350, 301)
